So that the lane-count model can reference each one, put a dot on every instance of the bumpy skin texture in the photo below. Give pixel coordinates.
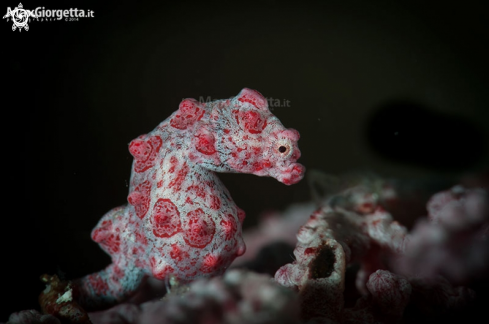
(181, 219)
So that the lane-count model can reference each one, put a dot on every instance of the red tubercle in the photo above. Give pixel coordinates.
(298, 169)
(140, 198)
(266, 164)
(178, 254)
(107, 236)
(252, 121)
(211, 263)
(140, 149)
(253, 97)
(190, 111)
(98, 284)
(145, 152)
(158, 271)
(215, 202)
(141, 238)
(241, 215)
(229, 226)
(173, 164)
(199, 228)
(176, 183)
(165, 218)
(257, 166)
(118, 272)
(197, 190)
(206, 143)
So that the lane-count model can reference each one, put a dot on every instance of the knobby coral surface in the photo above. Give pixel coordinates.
(343, 234)
(456, 233)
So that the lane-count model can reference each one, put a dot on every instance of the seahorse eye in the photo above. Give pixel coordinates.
(283, 149)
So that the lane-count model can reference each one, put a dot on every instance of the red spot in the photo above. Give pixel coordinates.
(310, 251)
(177, 181)
(107, 237)
(229, 227)
(257, 166)
(140, 198)
(252, 97)
(215, 203)
(141, 238)
(140, 263)
(241, 215)
(266, 164)
(189, 111)
(178, 254)
(98, 284)
(298, 169)
(226, 131)
(252, 121)
(145, 152)
(197, 190)
(118, 272)
(160, 272)
(165, 218)
(205, 143)
(173, 164)
(211, 263)
(199, 229)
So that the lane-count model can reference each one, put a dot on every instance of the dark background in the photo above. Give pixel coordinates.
(394, 87)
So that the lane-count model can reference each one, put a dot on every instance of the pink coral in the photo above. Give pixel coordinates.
(387, 296)
(32, 317)
(180, 219)
(396, 269)
(239, 297)
(331, 239)
(275, 230)
(453, 241)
